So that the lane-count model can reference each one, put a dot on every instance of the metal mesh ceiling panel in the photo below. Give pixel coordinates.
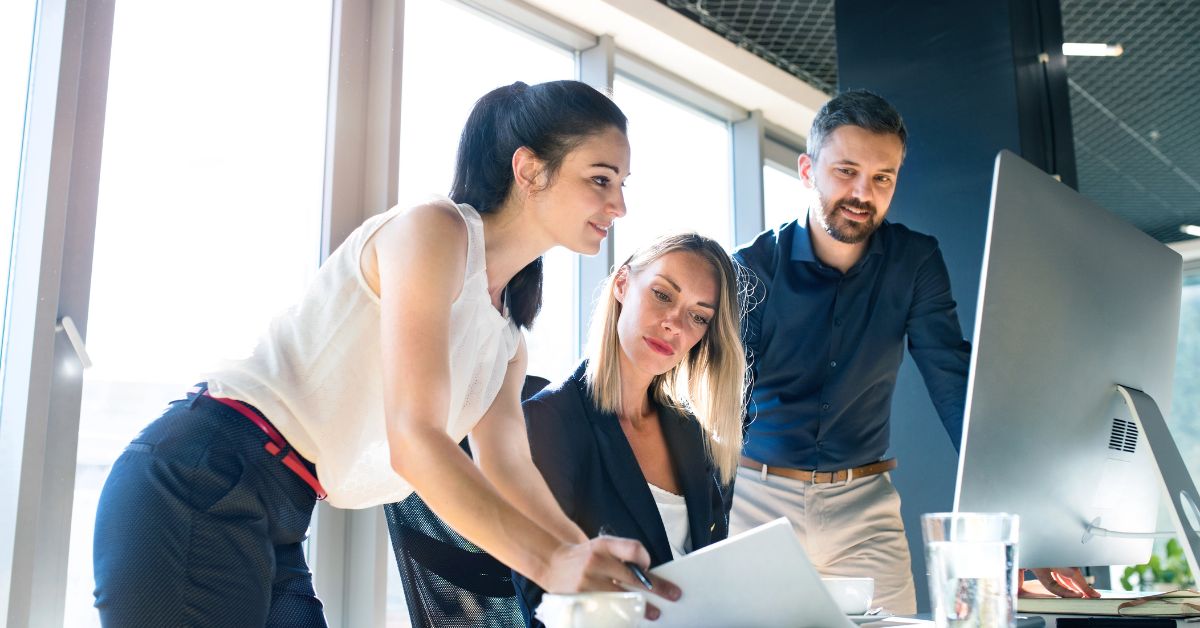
(1136, 117)
(796, 35)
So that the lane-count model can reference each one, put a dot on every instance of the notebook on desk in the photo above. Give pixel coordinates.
(1183, 603)
(1114, 622)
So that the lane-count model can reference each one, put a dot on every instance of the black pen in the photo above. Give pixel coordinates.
(637, 571)
(641, 575)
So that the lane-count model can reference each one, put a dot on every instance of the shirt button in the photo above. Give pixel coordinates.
(837, 322)
(833, 364)
(824, 407)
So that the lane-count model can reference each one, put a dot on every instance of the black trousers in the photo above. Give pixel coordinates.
(198, 525)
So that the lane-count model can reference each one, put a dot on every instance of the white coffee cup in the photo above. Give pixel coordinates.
(591, 610)
(853, 595)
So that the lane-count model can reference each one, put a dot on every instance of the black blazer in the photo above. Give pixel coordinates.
(590, 467)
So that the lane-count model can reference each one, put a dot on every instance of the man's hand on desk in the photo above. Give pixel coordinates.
(1060, 581)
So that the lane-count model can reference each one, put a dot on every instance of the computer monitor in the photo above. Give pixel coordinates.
(1075, 341)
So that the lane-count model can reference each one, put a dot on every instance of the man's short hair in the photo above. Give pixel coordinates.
(857, 107)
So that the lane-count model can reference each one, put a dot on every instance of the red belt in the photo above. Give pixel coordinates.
(277, 443)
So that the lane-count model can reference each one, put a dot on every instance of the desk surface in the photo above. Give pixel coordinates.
(1032, 621)
(1052, 620)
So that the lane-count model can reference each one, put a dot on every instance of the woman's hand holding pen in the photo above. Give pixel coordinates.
(601, 564)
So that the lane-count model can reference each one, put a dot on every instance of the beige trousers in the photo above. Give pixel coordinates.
(846, 528)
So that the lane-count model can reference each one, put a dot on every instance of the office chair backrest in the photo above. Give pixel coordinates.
(448, 581)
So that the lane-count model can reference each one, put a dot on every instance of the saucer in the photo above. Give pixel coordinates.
(866, 619)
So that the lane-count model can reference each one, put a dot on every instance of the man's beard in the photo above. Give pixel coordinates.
(841, 228)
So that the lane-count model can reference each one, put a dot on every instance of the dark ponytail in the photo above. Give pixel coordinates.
(550, 119)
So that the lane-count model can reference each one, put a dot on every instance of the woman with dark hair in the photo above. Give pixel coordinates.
(407, 340)
(643, 439)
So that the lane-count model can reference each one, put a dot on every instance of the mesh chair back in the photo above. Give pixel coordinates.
(448, 581)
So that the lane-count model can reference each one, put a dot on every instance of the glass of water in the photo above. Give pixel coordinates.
(972, 563)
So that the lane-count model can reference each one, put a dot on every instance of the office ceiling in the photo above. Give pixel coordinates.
(1136, 117)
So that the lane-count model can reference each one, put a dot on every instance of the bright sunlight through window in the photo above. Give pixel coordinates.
(452, 56)
(209, 213)
(679, 177)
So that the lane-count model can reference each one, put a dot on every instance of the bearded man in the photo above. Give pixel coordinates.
(838, 293)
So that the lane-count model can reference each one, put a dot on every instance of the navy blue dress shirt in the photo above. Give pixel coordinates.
(825, 347)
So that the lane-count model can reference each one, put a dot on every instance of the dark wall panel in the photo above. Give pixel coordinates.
(959, 74)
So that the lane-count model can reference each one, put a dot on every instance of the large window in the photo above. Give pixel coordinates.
(784, 197)
(1184, 423)
(552, 353)
(209, 213)
(16, 43)
(679, 172)
(1185, 400)
(452, 56)
(1184, 420)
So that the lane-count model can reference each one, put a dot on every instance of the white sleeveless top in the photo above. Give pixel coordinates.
(316, 374)
(672, 509)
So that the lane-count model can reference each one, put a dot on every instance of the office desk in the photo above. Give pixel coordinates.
(1116, 595)
(1052, 620)
(925, 619)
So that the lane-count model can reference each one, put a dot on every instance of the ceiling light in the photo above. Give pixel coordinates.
(1191, 230)
(1093, 50)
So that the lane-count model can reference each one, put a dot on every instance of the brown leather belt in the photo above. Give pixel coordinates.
(821, 477)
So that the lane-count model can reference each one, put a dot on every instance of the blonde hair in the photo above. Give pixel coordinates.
(710, 382)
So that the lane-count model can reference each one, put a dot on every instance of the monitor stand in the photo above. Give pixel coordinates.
(1140, 409)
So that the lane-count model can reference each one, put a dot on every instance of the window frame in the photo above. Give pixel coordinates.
(51, 267)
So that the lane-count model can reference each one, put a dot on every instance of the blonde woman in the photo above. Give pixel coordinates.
(643, 439)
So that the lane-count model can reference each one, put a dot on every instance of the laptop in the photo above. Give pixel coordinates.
(760, 578)
(923, 619)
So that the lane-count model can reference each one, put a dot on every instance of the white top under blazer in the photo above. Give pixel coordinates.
(672, 509)
(317, 376)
